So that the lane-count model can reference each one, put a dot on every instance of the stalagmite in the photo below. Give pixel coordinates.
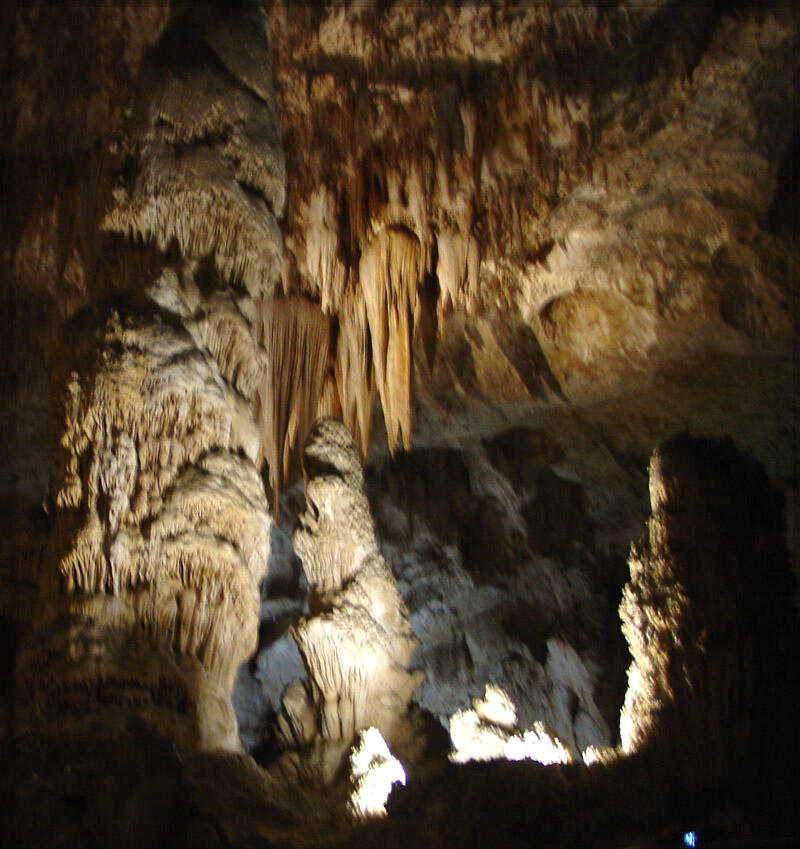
(178, 566)
(356, 644)
(706, 687)
(150, 587)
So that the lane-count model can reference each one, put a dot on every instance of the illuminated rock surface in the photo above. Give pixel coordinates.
(705, 685)
(356, 643)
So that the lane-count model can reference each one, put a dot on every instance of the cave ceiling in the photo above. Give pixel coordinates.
(503, 210)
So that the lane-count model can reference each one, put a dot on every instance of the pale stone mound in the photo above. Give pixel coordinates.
(489, 732)
(374, 772)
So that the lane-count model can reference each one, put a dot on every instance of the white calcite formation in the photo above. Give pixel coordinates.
(374, 772)
(356, 644)
(489, 731)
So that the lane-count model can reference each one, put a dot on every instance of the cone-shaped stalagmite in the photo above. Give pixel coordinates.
(356, 644)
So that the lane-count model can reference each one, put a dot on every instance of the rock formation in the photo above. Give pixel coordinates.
(150, 587)
(356, 644)
(489, 731)
(709, 722)
(541, 239)
(708, 682)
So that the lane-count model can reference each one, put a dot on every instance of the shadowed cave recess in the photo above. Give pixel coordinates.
(403, 409)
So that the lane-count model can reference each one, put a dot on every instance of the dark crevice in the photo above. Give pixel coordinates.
(781, 219)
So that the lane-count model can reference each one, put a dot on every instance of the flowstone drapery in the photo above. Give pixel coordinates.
(356, 644)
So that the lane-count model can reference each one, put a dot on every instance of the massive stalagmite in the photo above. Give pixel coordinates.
(707, 686)
(150, 586)
(356, 644)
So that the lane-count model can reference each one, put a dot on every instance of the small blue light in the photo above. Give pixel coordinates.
(690, 839)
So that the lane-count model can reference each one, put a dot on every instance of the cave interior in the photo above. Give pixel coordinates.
(403, 412)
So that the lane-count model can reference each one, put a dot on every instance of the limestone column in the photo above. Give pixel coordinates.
(150, 597)
(356, 643)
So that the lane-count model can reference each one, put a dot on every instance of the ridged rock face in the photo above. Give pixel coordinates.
(488, 211)
(203, 161)
(707, 687)
(357, 643)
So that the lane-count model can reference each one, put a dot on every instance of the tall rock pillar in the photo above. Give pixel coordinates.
(150, 599)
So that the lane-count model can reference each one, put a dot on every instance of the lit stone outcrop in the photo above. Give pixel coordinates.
(489, 731)
(374, 772)
(710, 649)
(356, 644)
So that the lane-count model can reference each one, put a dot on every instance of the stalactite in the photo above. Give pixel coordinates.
(390, 273)
(296, 335)
(354, 372)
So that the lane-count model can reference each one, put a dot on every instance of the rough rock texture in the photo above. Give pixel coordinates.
(506, 575)
(603, 221)
(149, 595)
(222, 799)
(161, 539)
(202, 159)
(356, 644)
(505, 583)
(708, 684)
(542, 238)
(711, 688)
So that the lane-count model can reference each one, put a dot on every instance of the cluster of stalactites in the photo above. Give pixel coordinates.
(356, 644)
(382, 230)
(404, 281)
(405, 176)
(329, 357)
